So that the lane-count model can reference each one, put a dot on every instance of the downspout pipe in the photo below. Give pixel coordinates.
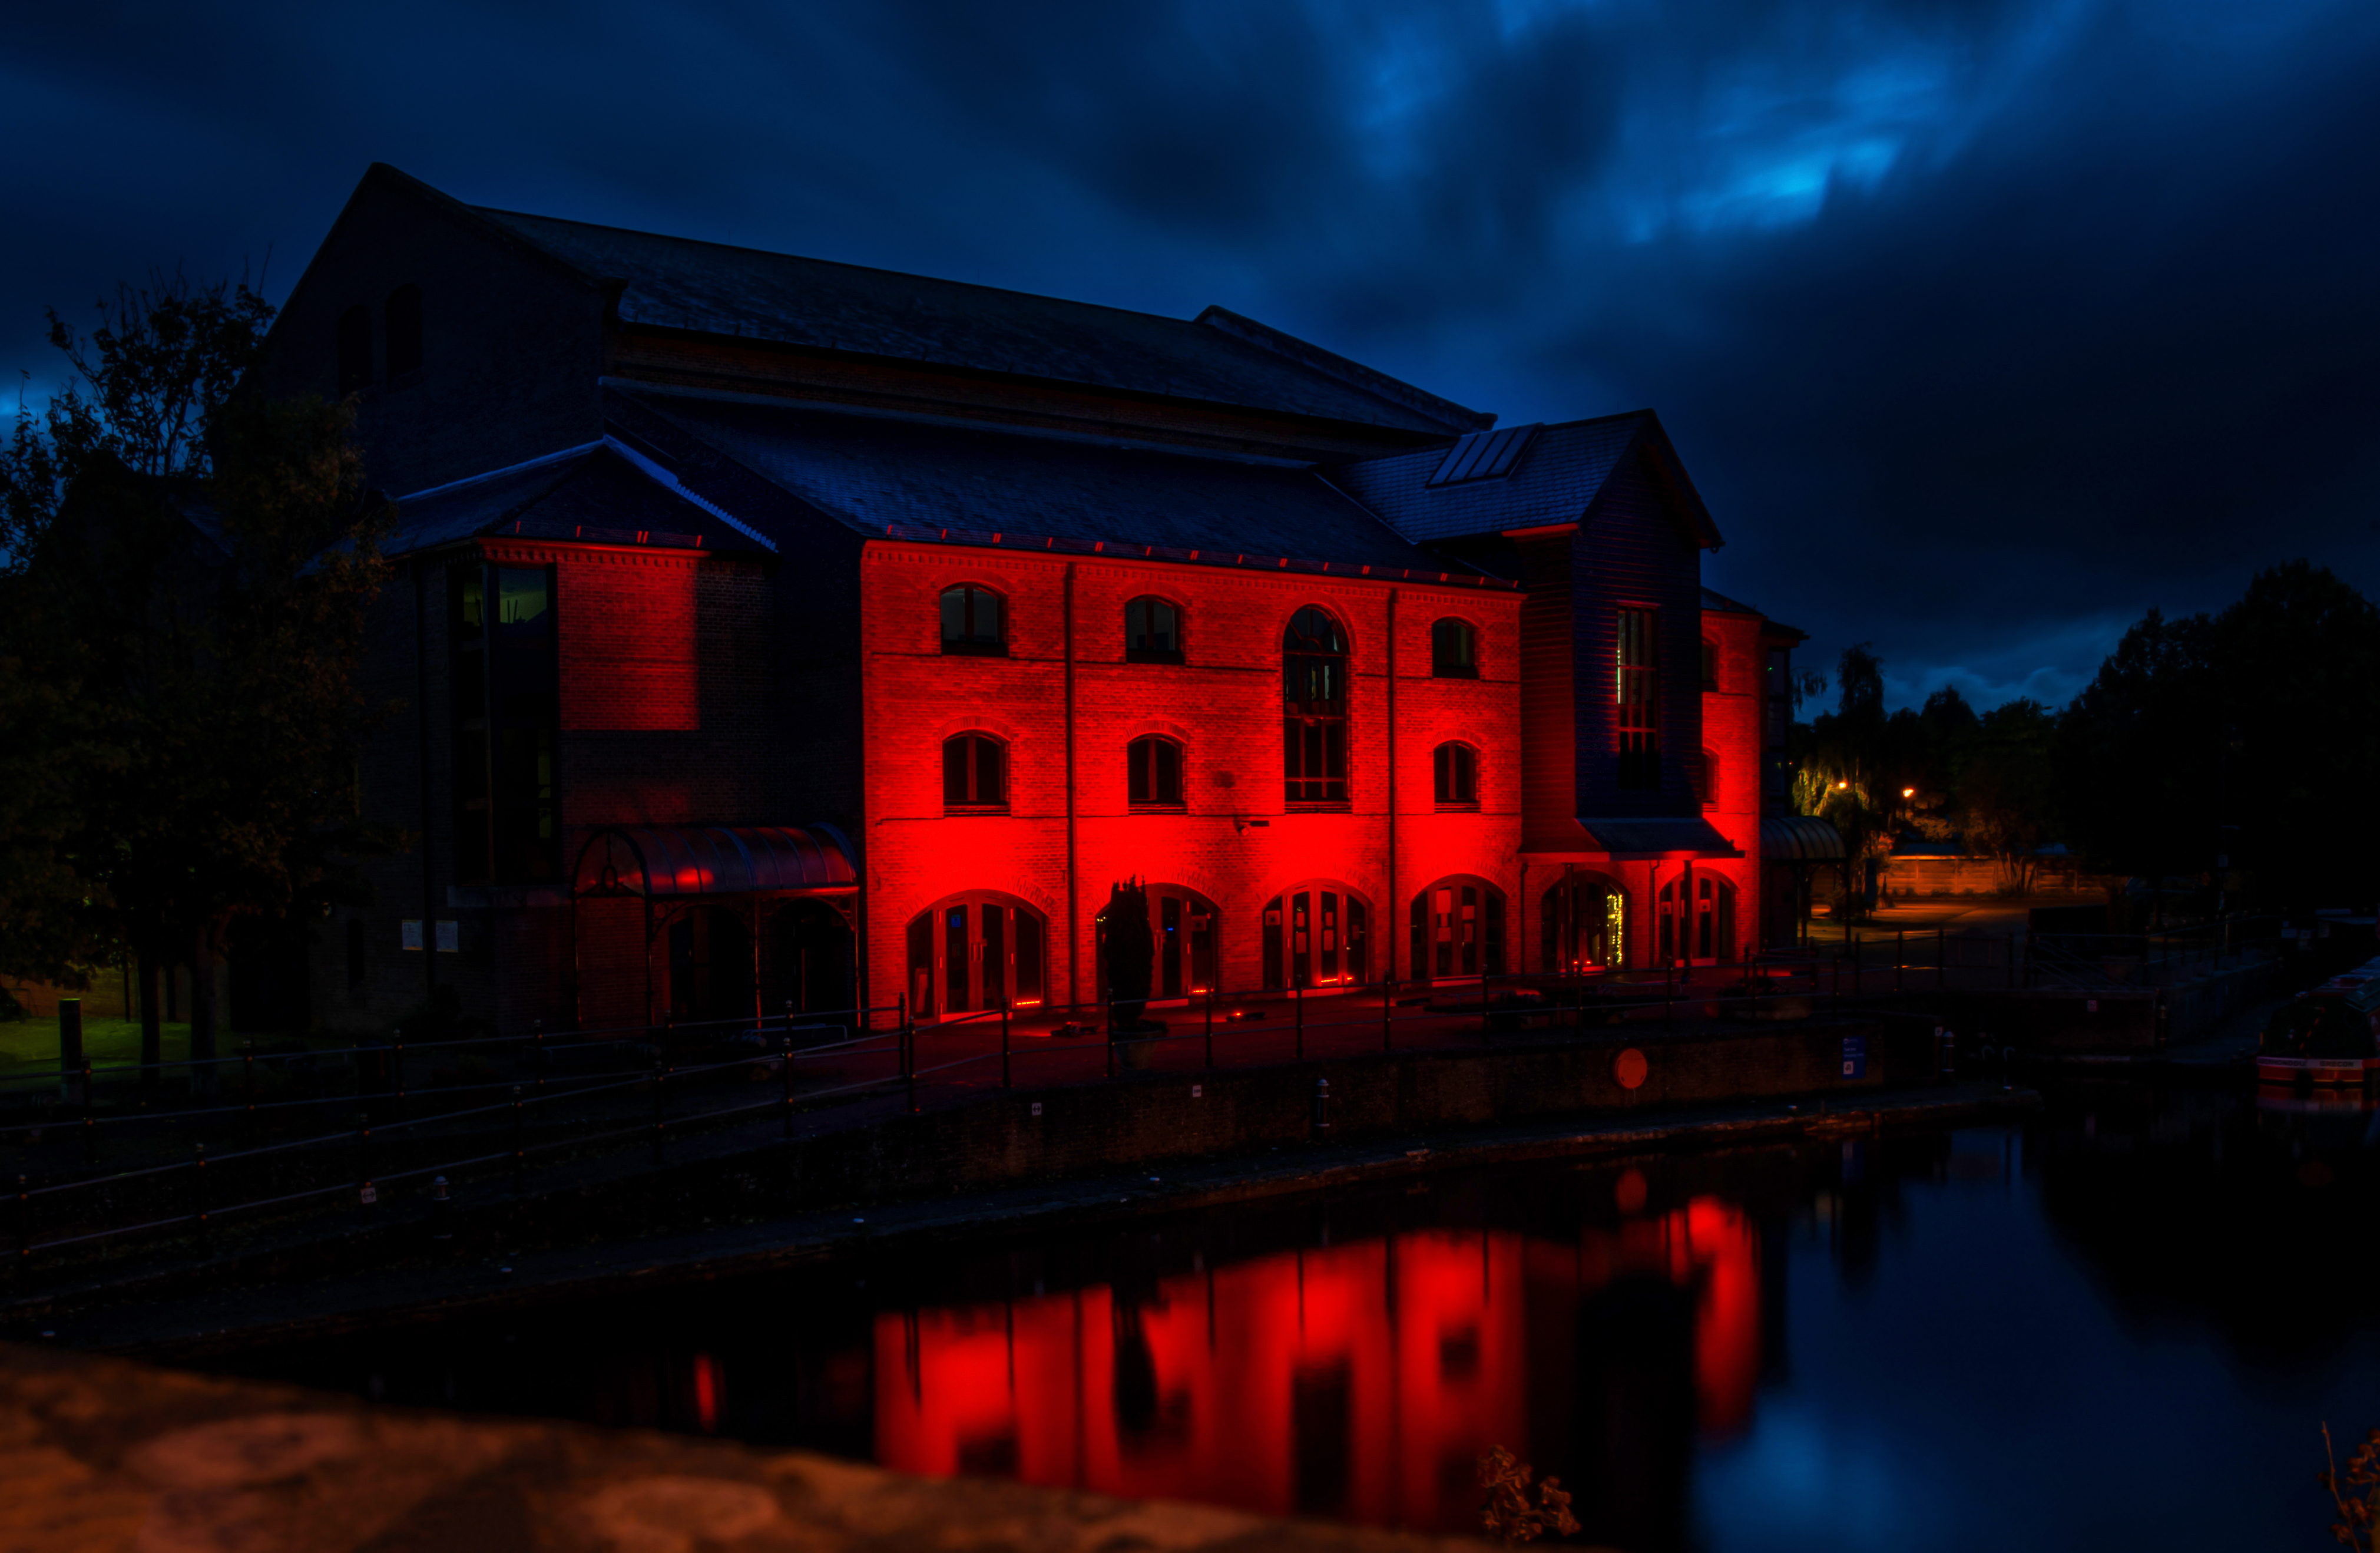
(1074, 936)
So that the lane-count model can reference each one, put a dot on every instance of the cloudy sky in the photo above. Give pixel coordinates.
(1982, 325)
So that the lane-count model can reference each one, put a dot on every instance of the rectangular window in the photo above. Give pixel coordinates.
(1155, 778)
(505, 712)
(1638, 691)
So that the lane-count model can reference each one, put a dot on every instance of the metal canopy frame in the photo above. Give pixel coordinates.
(674, 869)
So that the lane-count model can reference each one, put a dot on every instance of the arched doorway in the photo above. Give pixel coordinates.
(975, 952)
(808, 962)
(1187, 930)
(709, 964)
(1698, 922)
(1316, 934)
(1458, 930)
(1583, 924)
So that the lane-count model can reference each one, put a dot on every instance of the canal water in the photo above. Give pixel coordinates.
(2121, 1323)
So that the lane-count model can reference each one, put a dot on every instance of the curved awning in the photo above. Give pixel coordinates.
(678, 861)
(1800, 838)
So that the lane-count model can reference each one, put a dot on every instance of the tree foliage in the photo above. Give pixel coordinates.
(181, 617)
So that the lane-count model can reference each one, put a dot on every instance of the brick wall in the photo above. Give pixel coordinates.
(1224, 705)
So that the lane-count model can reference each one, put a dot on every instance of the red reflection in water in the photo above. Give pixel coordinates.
(1359, 1381)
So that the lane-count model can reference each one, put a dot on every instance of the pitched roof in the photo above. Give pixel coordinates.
(1551, 478)
(910, 478)
(596, 495)
(1223, 358)
(1719, 604)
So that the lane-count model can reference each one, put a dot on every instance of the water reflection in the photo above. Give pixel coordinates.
(2117, 1324)
(1359, 1381)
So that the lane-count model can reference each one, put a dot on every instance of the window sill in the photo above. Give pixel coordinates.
(1158, 808)
(1455, 674)
(1144, 655)
(961, 811)
(1319, 806)
(1445, 808)
(975, 650)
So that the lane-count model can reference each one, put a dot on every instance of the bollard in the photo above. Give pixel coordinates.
(1322, 1108)
(441, 1205)
(520, 1156)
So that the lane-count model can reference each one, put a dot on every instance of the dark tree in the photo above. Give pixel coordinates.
(189, 566)
(1131, 951)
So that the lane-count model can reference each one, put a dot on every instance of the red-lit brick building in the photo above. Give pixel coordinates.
(764, 623)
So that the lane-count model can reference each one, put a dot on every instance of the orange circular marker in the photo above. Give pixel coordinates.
(1630, 1068)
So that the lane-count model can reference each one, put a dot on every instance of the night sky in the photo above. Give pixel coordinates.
(1982, 327)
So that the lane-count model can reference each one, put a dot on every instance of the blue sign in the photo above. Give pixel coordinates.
(1855, 1056)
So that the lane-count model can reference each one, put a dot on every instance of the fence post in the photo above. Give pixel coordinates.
(1668, 985)
(536, 1049)
(909, 1063)
(1387, 1002)
(659, 1070)
(366, 1195)
(198, 1192)
(1297, 1001)
(1899, 955)
(89, 1122)
(1005, 1082)
(1211, 1025)
(520, 1156)
(786, 1081)
(248, 1080)
(1855, 965)
(396, 1075)
(1107, 1018)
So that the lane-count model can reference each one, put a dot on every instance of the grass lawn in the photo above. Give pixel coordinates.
(33, 1042)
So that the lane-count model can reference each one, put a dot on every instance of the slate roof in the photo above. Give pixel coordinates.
(1554, 479)
(595, 495)
(1720, 603)
(717, 288)
(910, 478)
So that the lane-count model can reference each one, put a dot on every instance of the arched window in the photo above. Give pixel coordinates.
(1453, 650)
(1705, 775)
(404, 317)
(354, 351)
(1153, 776)
(1458, 930)
(974, 622)
(1583, 923)
(974, 952)
(1316, 935)
(1454, 773)
(1314, 690)
(1710, 663)
(975, 772)
(1152, 632)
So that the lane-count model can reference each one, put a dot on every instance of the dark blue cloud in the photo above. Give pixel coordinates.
(1983, 324)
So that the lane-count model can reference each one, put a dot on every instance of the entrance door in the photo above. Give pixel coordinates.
(1316, 936)
(709, 965)
(974, 954)
(1583, 922)
(1458, 930)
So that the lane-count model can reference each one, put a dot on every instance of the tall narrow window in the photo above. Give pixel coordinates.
(1152, 632)
(1453, 650)
(975, 772)
(404, 316)
(1710, 663)
(1639, 695)
(1314, 732)
(1455, 774)
(354, 351)
(974, 622)
(506, 713)
(1154, 779)
(1704, 772)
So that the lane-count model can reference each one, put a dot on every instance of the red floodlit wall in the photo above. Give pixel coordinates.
(1731, 723)
(1223, 706)
(631, 630)
(1361, 1380)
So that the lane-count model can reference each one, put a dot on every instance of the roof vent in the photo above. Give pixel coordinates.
(1484, 455)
